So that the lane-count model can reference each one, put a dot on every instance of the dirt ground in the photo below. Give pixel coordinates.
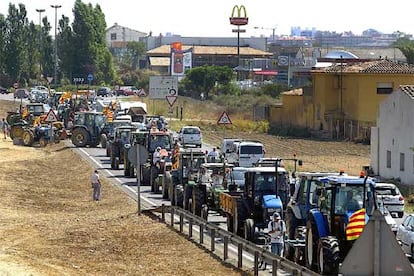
(50, 226)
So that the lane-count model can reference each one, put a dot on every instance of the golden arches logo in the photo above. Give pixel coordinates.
(239, 16)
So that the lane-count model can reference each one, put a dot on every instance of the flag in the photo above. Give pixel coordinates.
(355, 225)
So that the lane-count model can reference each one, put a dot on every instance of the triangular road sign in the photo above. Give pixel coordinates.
(51, 117)
(171, 100)
(224, 119)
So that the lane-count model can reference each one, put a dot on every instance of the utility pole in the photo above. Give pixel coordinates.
(56, 7)
(40, 40)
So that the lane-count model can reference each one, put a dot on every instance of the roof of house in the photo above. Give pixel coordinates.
(383, 66)
(294, 92)
(408, 89)
(211, 50)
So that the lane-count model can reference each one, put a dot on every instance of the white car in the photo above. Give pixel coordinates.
(390, 197)
(190, 135)
(405, 235)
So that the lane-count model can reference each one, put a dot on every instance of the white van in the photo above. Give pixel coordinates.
(246, 153)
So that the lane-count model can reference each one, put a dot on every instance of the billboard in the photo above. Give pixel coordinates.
(180, 60)
(162, 86)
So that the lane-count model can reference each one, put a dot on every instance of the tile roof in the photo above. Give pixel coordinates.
(211, 50)
(383, 66)
(408, 89)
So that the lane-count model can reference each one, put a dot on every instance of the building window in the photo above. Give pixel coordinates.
(113, 36)
(389, 159)
(402, 159)
(384, 87)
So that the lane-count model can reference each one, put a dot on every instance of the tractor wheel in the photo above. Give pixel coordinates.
(127, 167)
(104, 140)
(157, 181)
(311, 243)
(28, 138)
(199, 199)
(230, 223)
(16, 132)
(116, 163)
(328, 256)
(204, 212)
(43, 142)
(291, 224)
(108, 151)
(80, 137)
(299, 253)
(249, 229)
(113, 163)
(171, 194)
(179, 197)
(165, 188)
(188, 192)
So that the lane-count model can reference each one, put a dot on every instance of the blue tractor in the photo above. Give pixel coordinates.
(248, 211)
(334, 200)
(87, 127)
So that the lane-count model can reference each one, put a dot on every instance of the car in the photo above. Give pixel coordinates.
(390, 196)
(104, 91)
(236, 176)
(4, 90)
(21, 93)
(190, 135)
(405, 236)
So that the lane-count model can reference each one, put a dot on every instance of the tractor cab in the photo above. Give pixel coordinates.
(261, 193)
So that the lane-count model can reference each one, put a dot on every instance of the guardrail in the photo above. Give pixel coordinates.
(242, 245)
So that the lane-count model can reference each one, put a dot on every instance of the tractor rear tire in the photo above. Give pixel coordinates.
(291, 224)
(108, 151)
(230, 223)
(179, 197)
(199, 198)
(80, 137)
(328, 256)
(104, 140)
(204, 212)
(16, 132)
(312, 237)
(249, 230)
(28, 138)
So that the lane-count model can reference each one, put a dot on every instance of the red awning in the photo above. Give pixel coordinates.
(266, 73)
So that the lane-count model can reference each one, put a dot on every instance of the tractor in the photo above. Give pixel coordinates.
(212, 180)
(87, 128)
(327, 241)
(118, 145)
(250, 209)
(303, 199)
(185, 167)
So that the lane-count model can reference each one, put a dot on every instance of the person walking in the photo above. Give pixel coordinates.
(277, 230)
(5, 128)
(96, 185)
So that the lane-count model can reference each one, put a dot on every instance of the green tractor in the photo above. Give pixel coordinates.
(87, 128)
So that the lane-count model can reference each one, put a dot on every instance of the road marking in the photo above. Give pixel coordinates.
(116, 178)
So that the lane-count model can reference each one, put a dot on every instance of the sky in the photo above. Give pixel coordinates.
(211, 18)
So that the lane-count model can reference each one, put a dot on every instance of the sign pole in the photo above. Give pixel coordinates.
(138, 181)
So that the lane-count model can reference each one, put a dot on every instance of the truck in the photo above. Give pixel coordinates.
(251, 208)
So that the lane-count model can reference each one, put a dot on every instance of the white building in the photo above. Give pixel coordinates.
(392, 141)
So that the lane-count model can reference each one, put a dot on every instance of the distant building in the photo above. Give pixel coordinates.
(344, 99)
(392, 147)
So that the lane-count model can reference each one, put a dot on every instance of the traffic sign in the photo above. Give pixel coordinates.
(51, 117)
(90, 77)
(171, 100)
(224, 119)
(142, 93)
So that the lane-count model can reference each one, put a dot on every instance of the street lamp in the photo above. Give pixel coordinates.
(55, 7)
(40, 38)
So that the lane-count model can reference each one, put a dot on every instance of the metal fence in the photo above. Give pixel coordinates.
(215, 233)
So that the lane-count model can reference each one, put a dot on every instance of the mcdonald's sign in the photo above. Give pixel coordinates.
(239, 16)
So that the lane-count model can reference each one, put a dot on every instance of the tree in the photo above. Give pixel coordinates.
(406, 46)
(15, 50)
(203, 79)
(135, 50)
